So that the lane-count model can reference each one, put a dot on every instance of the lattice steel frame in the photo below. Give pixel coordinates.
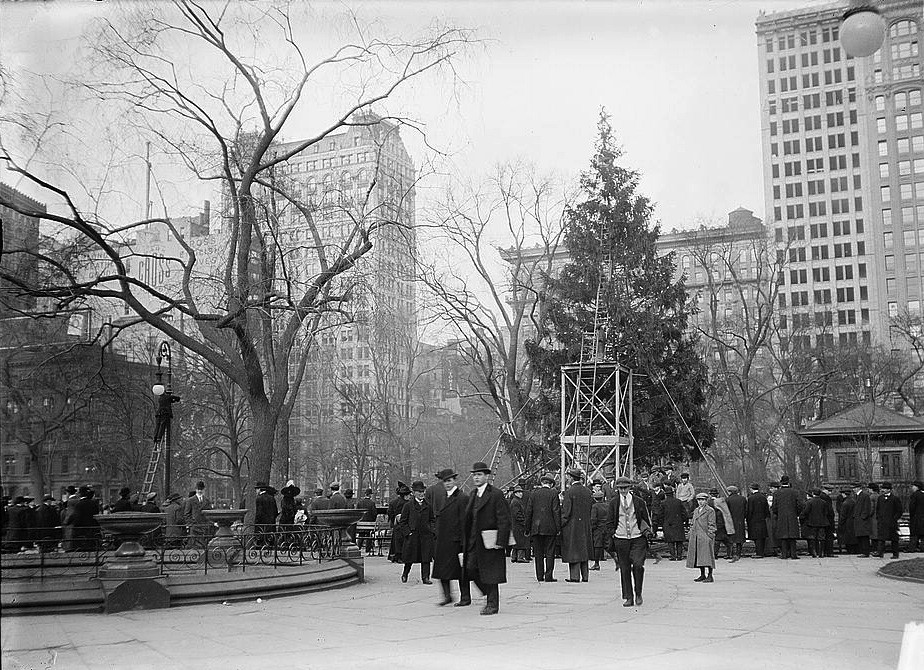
(596, 419)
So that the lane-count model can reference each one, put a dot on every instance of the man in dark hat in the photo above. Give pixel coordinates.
(785, 511)
(518, 524)
(846, 530)
(449, 540)
(828, 545)
(598, 527)
(674, 520)
(916, 516)
(757, 514)
(264, 518)
(418, 520)
(576, 537)
(436, 493)
(150, 503)
(46, 519)
(863, 519)
(395, 506)
(124, 503)
(486, 531)
(888, 511)
(19, 526)
(814, 517)
(737, 506)
(196, 523)
(67, 512)
(543, 522)
(629, 524)
(337, 501)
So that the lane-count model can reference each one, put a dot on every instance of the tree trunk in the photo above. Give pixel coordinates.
(265, 421)
(36, 475)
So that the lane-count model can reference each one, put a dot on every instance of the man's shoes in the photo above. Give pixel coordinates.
(445, 601)
(550, 579)
(573, 581)
(594, 567)
(863, 555)
(735, 559)
(638, 599)
(628, 603)
(709, 579)
(488, 610)
(583, 579)
(895, 556)
(463, 603)
(701, 578)
(427, 581)
(795, 558)
(404, 579)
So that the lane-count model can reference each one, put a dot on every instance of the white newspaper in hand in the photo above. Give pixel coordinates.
(489, 537)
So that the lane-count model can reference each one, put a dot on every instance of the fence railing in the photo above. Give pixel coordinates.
(46, 556)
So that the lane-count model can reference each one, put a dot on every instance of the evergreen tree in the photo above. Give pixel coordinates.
(611, 239)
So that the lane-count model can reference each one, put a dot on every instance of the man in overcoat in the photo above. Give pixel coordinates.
(196, 522)
(576, 537)
(916, 516)
(19, 526)
(674, 520)
(543, 521)
(888, 511)
(436, 493)
(756, 516)
(815, 517)
(785, 511)
(846, 531)
(417, 517)
(264, 518)
(629, 524)
(738, 507)
(337, 500)
(518, 523)
(67, 512)
(448, 544)
(487, 519)
(828, 546)
(398, 531)
(863, 519)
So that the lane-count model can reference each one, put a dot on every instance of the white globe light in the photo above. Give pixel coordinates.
(862, 32)
(158, 389)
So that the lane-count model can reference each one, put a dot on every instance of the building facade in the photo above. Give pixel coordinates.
(20, 235)
(842, 142)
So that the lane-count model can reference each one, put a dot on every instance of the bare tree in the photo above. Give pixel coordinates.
(197, 82)
(501, 241)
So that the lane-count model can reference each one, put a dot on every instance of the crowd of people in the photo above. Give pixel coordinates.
(630, 521)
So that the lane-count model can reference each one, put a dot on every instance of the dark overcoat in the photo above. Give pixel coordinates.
(47, 518)
(417, 518)
(518, 522)
(888, 511)
(543, 512)
(916, 514)
(758, 511)
(738, 506)
(367, 504)
(265, 513)
(18, 527)
(863, 515)
(846, 530)
(435, 496)
(86, 527)
(173, 522)
(598, 524)
(787, 506)
(449, 536)
(815, 513)
(488, 512)
(338, 501)
(874, 515)
(67, 523)
(577, 540)
(675, 515)
(287, 510)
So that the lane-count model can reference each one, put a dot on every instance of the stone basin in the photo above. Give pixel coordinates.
(128, 524)
(338, 518)
(129, 561)
(224, 518)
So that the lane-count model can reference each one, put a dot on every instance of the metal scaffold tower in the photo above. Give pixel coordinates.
(596, 397)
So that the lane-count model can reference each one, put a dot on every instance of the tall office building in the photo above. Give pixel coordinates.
(366, 175)
(843, 146)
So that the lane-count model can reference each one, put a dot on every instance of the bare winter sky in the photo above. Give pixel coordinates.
(680, 80)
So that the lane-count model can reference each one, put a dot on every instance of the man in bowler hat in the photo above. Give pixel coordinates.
(543, 521)
(449, 522)
(486, 529)
(576, 538)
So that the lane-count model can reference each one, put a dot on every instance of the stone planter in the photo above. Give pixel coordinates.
(342, 519)
(130, 578)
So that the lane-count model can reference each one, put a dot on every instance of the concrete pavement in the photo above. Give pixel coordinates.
(806, 614)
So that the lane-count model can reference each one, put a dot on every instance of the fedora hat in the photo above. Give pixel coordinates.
(548, 478)
(576, 473)
(481, 466)
(446, 473)
(418, 486)
(623, 481)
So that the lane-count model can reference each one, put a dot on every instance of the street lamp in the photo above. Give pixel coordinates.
(862, 30)
(164, 414)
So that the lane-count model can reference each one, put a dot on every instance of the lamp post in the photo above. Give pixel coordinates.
(164, 413)
(862, 29)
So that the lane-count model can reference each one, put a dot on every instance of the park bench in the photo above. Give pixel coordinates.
(378, 531)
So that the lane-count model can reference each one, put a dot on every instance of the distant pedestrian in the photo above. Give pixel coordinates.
(398, 531)
(916, 516)
(196, 523)
(319, 502)
(543, 522)
(888, 511)
(830, 531)
(174, 525)
(124, 503)
(757, 514)
(725, 525)
(815, 518)
(371, 515)
(418, 520)
(47, 520)
(448, 544)
(19, 526)
(518, 524)
(685, 492)
(629, 525)
(874, 517)
(785, 512)
(350, 499)
(738, 506)
(486, 521)
(701, 550)
(150, 505)
(598, 514)
(863, 519)
(675, 520)
(846, 531)
(264, 517)
(337, 500)
(576, 536)
(435, 494)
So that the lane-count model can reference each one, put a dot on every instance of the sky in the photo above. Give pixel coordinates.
(679, 79)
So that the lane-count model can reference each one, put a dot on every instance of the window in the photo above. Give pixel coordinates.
(887, 240)
(883, 147)
(846, 466)
(887, 218)
(890, 262)
(883, 169)
(890, 464)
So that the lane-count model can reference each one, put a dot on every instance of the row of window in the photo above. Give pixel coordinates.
(913, 306)
(820, 252)
(912, 283)
(906, 191)
(838, 206)
(808, 58)
(847, 465)
(835, 141)
(914, 120)
(805, 38)
(905, 168)
(814, 165)
(907, 216)
(903, 100)
(810, 80)
(899, 72)
(811, 101)
(909, 239)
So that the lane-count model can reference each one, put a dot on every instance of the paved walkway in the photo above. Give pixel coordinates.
(768, 613)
